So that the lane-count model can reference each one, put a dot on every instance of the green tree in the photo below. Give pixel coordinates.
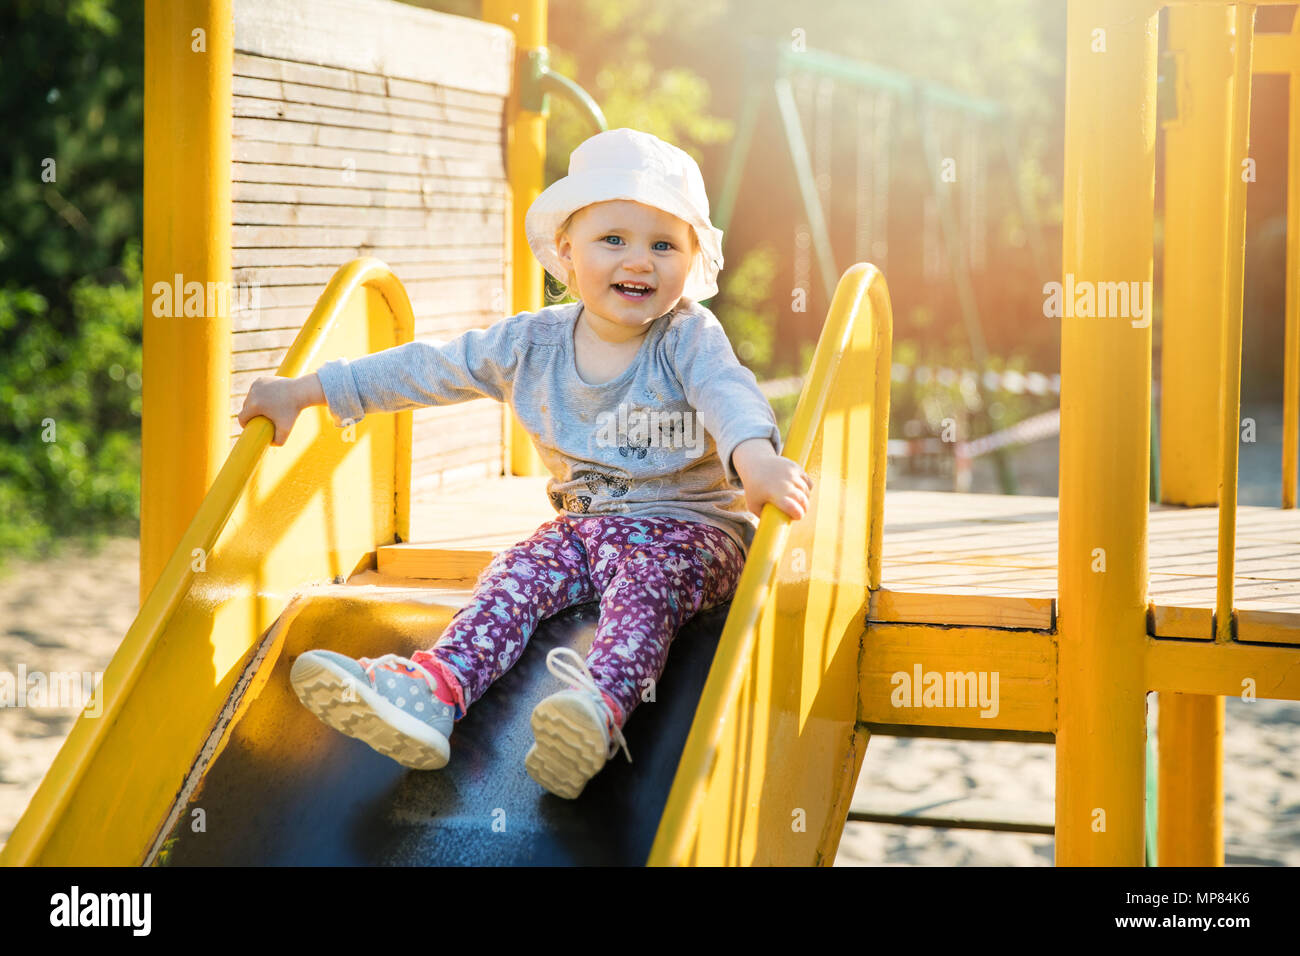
(71, 97)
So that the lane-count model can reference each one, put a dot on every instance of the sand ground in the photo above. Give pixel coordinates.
(70, 613)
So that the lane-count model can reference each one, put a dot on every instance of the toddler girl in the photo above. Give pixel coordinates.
(645, 419)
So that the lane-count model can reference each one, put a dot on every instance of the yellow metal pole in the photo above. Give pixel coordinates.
(1190, 817)
(1238, 149)
(526, 163)
(1194, 226)
(1197, 163)
(187, 119)
(1291, 376)
(1105, 374)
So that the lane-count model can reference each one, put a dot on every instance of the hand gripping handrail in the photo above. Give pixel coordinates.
(65, 774)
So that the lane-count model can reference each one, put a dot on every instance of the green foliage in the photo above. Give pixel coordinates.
(71, 97)
(72, 84)
(625, 55)
(70, 413)
(750, 316)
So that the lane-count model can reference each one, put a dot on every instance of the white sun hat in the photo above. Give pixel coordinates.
(630, 164)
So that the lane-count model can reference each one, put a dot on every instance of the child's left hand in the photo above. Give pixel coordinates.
(771, 478)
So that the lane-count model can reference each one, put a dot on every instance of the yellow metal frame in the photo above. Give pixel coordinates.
(769, 767)
(1281, 54)
(776, 730)
(270, 524)
(186, 364)
(1204, 269)
(525, 137)
(1105, 368)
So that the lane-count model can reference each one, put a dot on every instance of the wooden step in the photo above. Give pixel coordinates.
(420, 561)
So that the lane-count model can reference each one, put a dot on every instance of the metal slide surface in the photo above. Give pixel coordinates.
(317, 797)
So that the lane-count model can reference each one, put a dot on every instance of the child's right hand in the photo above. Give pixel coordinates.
(281, 400)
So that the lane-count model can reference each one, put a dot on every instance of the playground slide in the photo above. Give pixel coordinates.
(203, 755)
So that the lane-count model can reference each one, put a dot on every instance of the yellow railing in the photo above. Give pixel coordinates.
(768, 770)
(1106, 375)
(1217, 53)
(1280, 53)
(1234, 251)
(197, 550)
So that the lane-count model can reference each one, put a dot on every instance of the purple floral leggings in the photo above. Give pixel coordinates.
(650, 575)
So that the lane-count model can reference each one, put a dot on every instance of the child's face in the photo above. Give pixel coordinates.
(621, 241)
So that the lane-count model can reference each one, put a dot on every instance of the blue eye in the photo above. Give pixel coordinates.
(661, 242)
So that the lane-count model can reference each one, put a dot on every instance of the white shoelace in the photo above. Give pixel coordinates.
(569, 666)
(374, 662)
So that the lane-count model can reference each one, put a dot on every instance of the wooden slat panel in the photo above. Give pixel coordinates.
(247, 107)
(360, 140)
(420, 561)
(426, 220)
(449, 227)
(374, 36)
(411, 273)
(1037, 613)
(342, 176)
(332, 258)
(257, 339)
(1222, 670)
(497, 512)
(265, 360)
(459, 293)
(251, 151)
(1185, 622)
(459, 468)
(253, 340)
(351, 139)
(435, 446)
(430, 465)
(439, 192)
(1269, 627)
(240, 382)
(453, 479)
(1024, 663)
(952, 549)
(333, 78)
(441, 326)
(426, 108)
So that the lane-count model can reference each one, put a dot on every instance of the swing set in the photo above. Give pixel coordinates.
(959, 137)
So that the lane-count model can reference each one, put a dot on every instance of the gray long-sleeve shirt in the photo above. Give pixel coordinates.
(655, 440)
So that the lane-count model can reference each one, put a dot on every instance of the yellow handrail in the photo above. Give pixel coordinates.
(1278, 53)
(861, 297)
(65, 774)
(1237, 142)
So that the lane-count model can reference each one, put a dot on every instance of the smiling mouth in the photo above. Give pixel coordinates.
(633, 291)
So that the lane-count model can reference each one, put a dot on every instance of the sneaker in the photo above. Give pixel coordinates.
(388, 702)
(575, 730)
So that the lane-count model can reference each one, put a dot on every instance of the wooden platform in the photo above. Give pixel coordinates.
(985, 560)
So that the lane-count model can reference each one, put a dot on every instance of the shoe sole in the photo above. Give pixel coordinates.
(569, 748)
(355, 709)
